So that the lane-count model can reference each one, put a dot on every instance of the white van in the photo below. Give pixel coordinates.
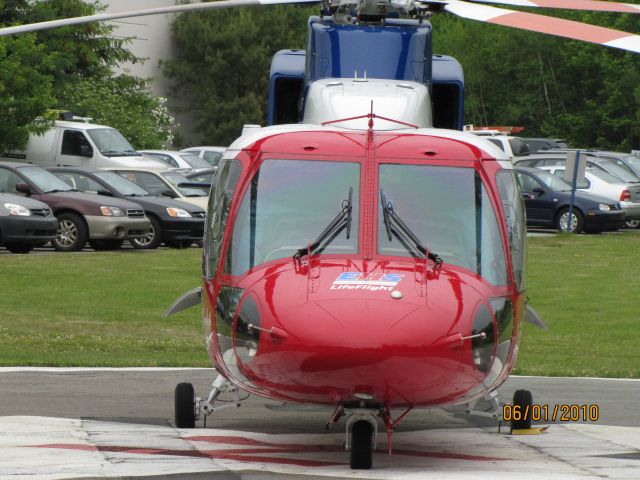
(69, 143)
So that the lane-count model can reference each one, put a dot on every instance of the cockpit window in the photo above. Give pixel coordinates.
(513, 204)
(449, 212)
(288, 205)
(217, 212)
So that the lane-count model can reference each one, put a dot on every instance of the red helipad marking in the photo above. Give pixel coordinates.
(260, 452)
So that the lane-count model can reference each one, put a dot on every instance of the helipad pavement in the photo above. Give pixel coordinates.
(52, 448)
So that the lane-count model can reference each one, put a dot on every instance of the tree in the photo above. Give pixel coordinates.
(71, 68)
(222, 64)
(553, 87)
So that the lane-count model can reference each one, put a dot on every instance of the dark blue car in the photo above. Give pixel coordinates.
(547, 199)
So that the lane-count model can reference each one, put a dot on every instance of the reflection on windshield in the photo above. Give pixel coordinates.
(45, 181)
(287, 205)
(449, 211)
(121, 185)
(194, 161)
(111, 143)
(553, 182)
(176, 179)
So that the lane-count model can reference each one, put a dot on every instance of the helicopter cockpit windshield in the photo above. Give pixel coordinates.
(287, 205)
(449, 212)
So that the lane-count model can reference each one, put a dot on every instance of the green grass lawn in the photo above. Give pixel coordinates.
(104, 309)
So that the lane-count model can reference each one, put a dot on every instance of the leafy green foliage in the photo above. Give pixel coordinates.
(222, 64)
(122, 102)
(553, 87)
(71, 68)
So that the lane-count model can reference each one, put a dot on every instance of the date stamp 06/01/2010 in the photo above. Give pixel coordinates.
(551, 413)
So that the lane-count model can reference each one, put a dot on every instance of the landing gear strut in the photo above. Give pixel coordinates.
(189, 408)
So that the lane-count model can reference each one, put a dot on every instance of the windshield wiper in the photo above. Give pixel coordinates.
(394, 225)
(339, 223)
(58, 190)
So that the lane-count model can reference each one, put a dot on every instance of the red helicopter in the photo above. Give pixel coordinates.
(361, 259)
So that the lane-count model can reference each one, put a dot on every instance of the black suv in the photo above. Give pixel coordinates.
(177, 224)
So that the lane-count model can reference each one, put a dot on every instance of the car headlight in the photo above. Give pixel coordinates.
(113, 211)
(178, 212)
(17, 210)
(604, 207)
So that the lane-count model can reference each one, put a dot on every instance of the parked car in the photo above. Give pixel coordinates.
(628, 160)
(559, 158)
(177, 224)
(25, 223)
(547, 199)
(206, 176)
(606, 185)
(512, 146)
(541, 144)
(179, 161)
(105, 222)
(212, 155)
(168, 184)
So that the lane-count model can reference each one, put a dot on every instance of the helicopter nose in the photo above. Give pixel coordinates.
(338, 348)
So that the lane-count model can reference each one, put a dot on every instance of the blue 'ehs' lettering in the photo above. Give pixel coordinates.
(392, 277)
(349, 276)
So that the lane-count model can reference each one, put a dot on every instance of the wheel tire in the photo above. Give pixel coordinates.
(105, 245)
(632, 224)
(361, 445)
(523, 400)
(18, 248)
(153, 238)
(185, 406)
(72, 233)
(178, 244)
(199, 243)
(562, 221)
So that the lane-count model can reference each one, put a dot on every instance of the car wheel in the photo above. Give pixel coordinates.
(72, 233)
(632, 223)
(562, 221)
(18, 248)
(103, 245)
(178, 243)
(152, 239)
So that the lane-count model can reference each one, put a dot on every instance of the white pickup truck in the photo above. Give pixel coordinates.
(71, 143)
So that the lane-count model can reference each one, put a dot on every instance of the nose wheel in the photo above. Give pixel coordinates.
(522, 402)
(185, 406)
(362, 429)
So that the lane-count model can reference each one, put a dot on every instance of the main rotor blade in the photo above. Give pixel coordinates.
(103, 17)
(589, 5)
(543, 24)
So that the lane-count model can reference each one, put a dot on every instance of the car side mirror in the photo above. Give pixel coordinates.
(86, 151)
(168, 193)
(24, 188)
(106, 193)
(539, 191)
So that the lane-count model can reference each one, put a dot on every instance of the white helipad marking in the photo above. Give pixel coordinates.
(54, 448)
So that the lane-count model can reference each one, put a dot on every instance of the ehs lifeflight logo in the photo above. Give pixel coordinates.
(361, 281)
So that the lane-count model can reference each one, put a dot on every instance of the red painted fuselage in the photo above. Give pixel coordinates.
(365, 317)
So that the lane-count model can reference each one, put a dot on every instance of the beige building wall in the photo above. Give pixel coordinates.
(152, 41)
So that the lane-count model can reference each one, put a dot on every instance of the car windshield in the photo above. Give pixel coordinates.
(45, 181)
(194, 160)
(601, 174)
(553, 182)
(449, 211)
(111, 143)
(620, 171)
(176, 179)
(287, 207)
(121, 184)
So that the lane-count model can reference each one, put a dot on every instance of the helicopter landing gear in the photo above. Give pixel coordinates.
(494, 412)
(362, 431)
(522, 402)
(189, 408)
